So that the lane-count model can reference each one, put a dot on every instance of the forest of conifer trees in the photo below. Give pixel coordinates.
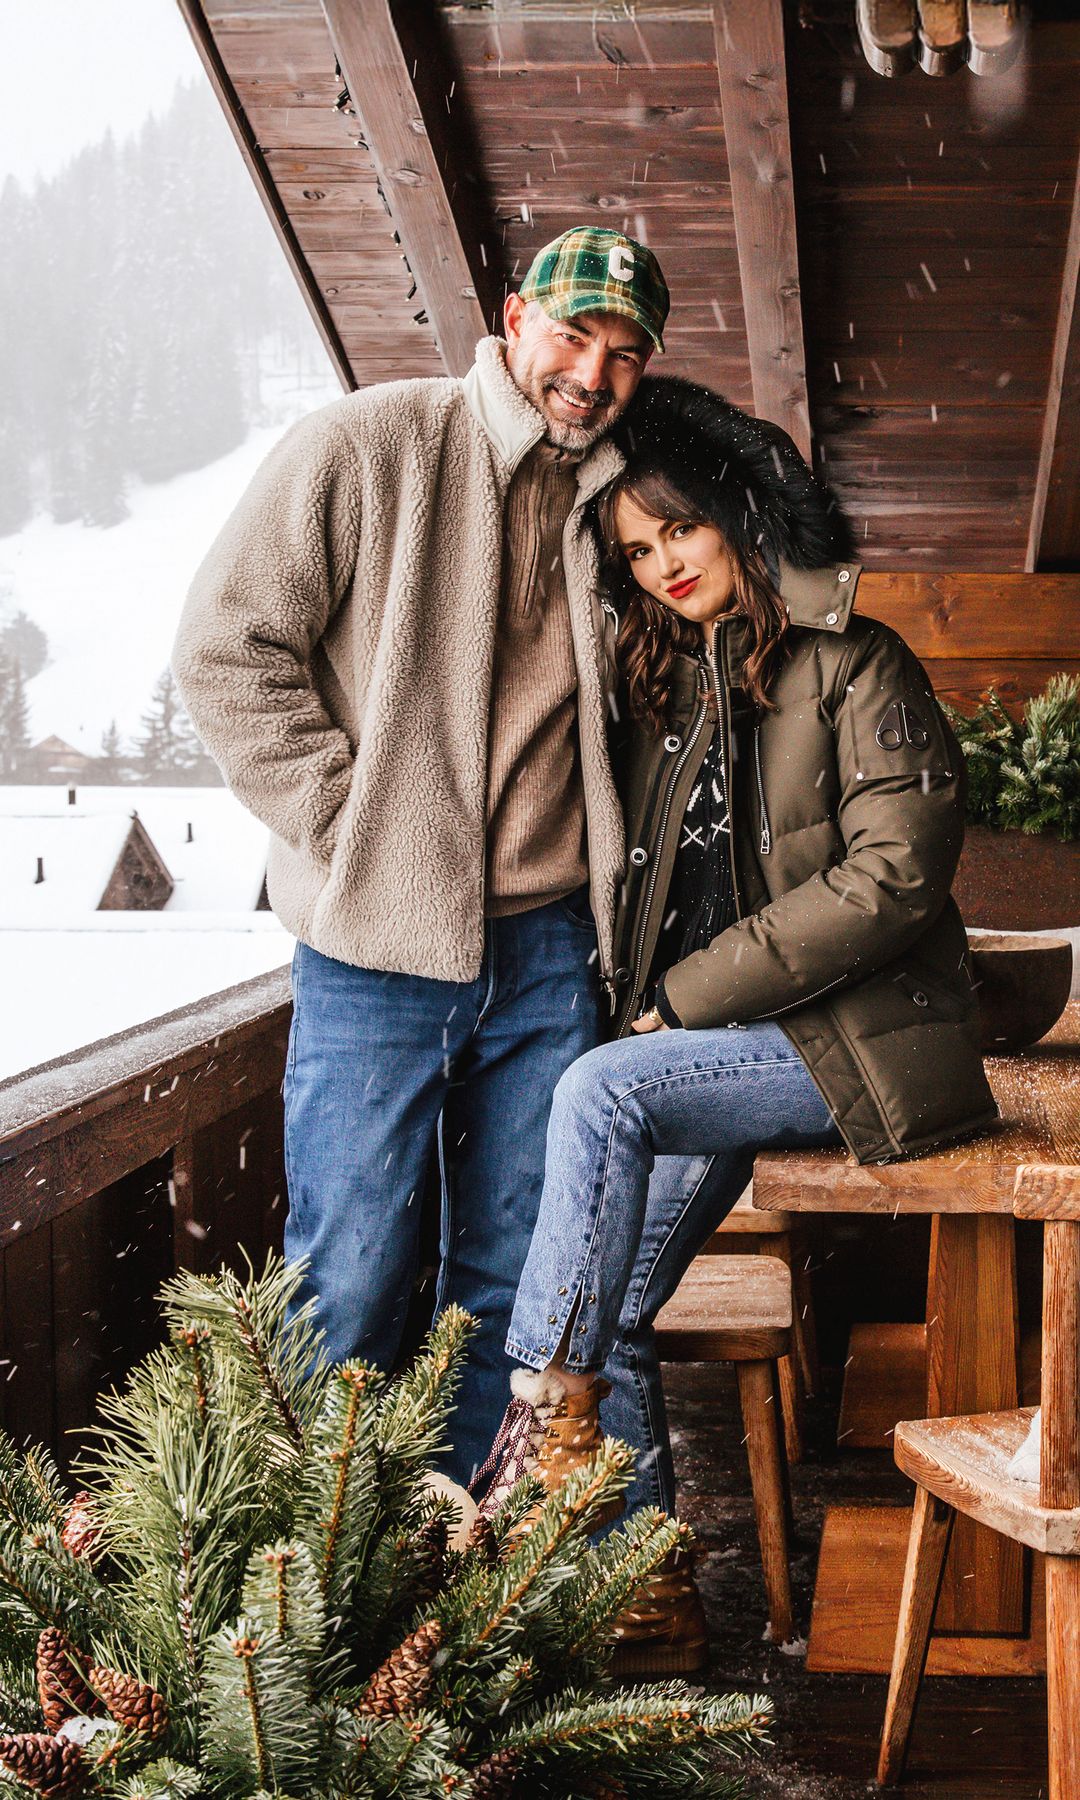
(135, 286)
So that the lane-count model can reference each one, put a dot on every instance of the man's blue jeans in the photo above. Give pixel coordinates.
(384, 1071)
(651, 1141)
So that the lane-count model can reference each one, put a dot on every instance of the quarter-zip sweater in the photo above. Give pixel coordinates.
(536, 803)
(336, 655)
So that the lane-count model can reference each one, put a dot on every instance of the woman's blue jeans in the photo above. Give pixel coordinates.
(651, 1141)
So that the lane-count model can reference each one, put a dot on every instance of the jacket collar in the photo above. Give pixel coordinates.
(514, 425)
(820, 598)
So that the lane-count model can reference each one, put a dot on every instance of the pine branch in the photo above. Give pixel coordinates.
(276, 1355)
(41, 1584)
(410, 1759)
(282, 1598)
(30, 1491)
(639, 1725)
(259, 1724)
(612, 1572)
(162, 1779)
(547, 1556)
(412, 1420)
(338, 1502)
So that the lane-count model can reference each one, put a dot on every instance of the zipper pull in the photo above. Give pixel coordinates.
(766, 834)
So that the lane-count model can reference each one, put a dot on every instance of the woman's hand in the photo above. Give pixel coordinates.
(650, 1021)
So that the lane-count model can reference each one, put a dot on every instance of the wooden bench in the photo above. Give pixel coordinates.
(749, 1232)
(738, 1309)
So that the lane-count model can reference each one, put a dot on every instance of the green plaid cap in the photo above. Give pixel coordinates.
(589, 270)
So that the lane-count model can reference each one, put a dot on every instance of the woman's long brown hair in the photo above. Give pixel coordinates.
(651, 635)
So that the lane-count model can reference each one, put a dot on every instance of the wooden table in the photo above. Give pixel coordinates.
(972, 1357)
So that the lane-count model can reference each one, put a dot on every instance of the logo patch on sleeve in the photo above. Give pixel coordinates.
(900, 724)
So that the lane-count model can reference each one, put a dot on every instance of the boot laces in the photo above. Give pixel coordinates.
(514, 1451)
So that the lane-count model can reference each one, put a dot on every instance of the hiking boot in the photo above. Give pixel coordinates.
(661, 1631)
(545, 1432)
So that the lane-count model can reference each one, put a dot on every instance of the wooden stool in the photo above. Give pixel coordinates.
(746, 1231)
(738, 1309)
(959, 1466)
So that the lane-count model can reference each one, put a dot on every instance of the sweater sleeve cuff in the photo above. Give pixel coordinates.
(664, 1007)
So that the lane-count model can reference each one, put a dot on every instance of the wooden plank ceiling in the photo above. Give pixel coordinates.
(933, 224)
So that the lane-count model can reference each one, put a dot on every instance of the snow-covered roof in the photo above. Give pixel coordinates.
(78, 855)
(221, 870)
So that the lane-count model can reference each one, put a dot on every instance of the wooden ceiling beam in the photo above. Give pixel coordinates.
(417, 190)
(228, 100)
(1054, 538)
(753, 90)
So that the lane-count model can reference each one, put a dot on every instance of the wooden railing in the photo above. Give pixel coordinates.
(155, 1150)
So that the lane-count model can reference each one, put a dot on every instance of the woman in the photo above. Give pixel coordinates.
(791, 969)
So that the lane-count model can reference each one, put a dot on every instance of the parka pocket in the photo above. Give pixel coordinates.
(910, 999)
(897, 731)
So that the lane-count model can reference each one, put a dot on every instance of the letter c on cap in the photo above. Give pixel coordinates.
(620, 263)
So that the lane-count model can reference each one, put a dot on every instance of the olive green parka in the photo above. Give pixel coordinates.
(846, 807)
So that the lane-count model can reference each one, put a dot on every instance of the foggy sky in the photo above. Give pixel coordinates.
(70, 69)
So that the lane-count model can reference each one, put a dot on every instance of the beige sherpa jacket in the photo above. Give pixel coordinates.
(335, 654)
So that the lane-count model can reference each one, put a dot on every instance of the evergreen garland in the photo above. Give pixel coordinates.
(1024, 775)
(254, 1594)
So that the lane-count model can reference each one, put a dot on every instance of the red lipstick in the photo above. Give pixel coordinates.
(679, 589)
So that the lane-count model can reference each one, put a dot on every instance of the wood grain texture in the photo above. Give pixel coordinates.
(1063, 1675)
(884, 1380)
(1054, 535)
(381, 88)
(931, 1528)
(1060, 1451)
(972, 1366)
(1001, 616)
(964, 1461)
(758, 1398)
(900, 191)
(726, 1309)
(857, 1599)
(246, 137)
(751, 61)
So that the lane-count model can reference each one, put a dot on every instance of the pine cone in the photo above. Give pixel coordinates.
(131, 1703)
(494, 1778)
(603, 1787)
(61, 1682)
(402, 1683)
(50, 1765)
(482, 1540)
(80, 1532)
(430, 1560)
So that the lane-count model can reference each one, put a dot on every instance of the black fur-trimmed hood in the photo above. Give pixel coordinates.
(745, 472)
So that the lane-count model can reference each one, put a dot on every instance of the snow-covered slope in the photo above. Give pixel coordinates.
(109, 601)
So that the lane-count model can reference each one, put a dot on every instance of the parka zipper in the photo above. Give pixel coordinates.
(766, 834)
(720, 689)
(654, 869)
(803, 1001)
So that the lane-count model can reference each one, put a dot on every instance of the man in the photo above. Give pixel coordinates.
(393, 651)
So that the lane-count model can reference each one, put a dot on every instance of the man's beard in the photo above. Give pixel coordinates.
(563, 433)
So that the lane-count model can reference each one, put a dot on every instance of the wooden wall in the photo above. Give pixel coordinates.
(933, 223)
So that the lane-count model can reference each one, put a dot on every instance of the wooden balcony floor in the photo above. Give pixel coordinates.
(973, 1738)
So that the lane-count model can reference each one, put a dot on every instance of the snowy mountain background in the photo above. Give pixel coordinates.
(109, 600)
(153, 348)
